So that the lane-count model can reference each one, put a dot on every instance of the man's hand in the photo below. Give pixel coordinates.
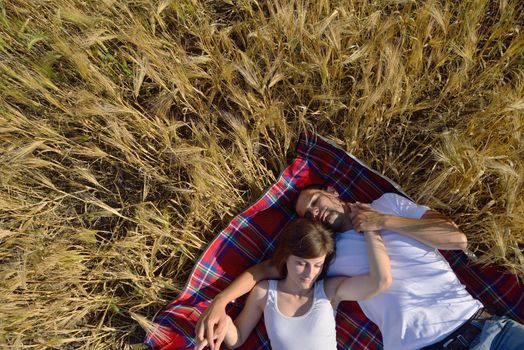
(364, 218)
(211, 327)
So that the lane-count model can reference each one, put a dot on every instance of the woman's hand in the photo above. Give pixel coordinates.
(203, 342)
(211, 327)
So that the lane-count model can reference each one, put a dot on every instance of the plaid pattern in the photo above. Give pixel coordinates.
(250, 238)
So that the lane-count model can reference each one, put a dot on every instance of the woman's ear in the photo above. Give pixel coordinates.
(331, 190)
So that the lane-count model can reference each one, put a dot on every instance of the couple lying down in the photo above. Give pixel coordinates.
(402, 283)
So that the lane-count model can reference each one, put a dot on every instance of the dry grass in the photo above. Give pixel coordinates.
(132, 131)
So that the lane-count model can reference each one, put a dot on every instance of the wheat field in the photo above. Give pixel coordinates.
(132, 131)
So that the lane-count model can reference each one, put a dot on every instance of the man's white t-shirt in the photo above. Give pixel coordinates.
(425, 302)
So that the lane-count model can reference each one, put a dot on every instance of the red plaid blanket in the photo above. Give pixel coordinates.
(250, 238)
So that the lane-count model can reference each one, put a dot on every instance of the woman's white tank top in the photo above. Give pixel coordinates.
(314, 330)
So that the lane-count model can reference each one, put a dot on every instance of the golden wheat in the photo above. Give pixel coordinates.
(131, 132)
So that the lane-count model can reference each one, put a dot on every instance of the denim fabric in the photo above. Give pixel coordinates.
(499, 333)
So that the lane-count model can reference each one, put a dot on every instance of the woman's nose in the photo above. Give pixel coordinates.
(307, 270)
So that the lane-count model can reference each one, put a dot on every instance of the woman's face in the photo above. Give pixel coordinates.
(304, 272)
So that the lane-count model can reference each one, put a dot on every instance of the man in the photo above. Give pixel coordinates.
(426, 305)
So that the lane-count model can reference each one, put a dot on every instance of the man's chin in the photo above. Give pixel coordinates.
(333, 222)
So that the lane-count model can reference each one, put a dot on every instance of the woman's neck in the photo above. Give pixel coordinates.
(288, 286)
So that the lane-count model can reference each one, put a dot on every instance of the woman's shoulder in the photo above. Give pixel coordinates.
(260, 290)
(262, 286)
(258, 295)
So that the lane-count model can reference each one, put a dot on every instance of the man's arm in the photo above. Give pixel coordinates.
(212, 323)
(433, 228)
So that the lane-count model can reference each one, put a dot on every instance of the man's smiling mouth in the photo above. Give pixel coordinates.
(323, 215)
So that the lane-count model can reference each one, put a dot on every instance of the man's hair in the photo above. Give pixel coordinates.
(322, 187)
(305, 239)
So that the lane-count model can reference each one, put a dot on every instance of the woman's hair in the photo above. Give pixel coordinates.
(305, 239)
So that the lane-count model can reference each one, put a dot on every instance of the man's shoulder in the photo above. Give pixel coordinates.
(388, 202)
(389, 197)
(398, 205)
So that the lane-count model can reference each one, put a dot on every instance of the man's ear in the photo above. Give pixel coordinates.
(331, 190)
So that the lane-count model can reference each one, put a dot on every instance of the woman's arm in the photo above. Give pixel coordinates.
(248, 318)
(212, 322)
(364, 286)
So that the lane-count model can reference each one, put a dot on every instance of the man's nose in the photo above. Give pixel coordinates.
(313, 212)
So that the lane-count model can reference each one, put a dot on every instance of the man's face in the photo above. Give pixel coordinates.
(322, 206)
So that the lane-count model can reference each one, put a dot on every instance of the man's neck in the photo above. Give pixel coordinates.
(346, 222)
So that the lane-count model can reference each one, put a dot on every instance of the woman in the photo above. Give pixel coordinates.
(299, 310)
